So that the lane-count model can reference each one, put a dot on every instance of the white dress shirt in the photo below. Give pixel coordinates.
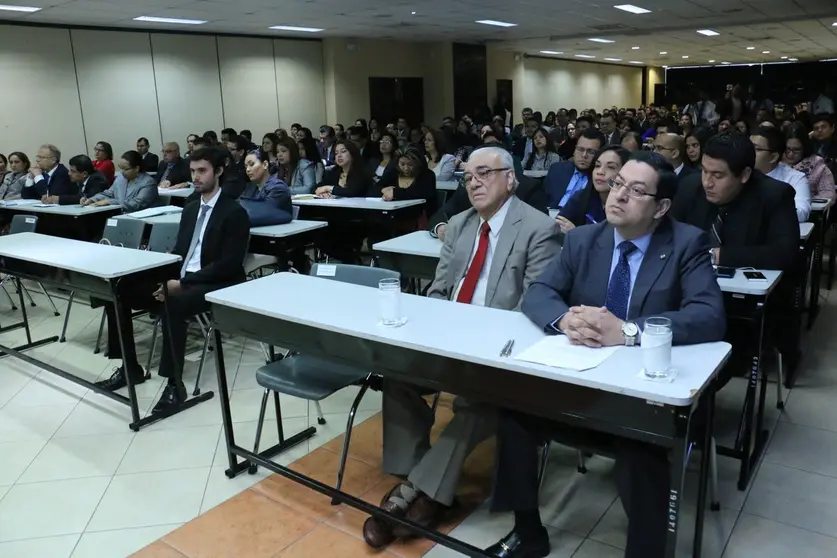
(494, 224)
(194, 263)
(678, 169)
(32, 181)
(799, 182)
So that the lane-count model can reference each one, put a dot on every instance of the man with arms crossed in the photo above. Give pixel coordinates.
(610, 277)
(491, 253)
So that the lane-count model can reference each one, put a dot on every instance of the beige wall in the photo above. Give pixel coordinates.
(655, 75)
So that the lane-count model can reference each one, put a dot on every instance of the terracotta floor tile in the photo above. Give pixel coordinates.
(249, 524)
(350, 520)
(325, 542)
(157, 550)
(320, 465)
(366, 443)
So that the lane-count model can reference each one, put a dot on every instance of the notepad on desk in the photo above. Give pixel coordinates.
(12, 203)
(155, 211)
(557, 351)
(303, 197)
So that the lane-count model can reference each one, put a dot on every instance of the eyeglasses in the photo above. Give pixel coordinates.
(633, 191)
(587, 152)
(794, 150)
(482, 174)
(47, 158)
(657, 148)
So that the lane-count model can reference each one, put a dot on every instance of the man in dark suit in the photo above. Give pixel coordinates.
(326, 144)
(212, 242)
(523, 146)
(359, 136)
(150, 161)
(568, 177)
(607, 125)
(87, 180)
(47, 176)
(673, 149)
(173, 171)
(519, 130)
(610, 277)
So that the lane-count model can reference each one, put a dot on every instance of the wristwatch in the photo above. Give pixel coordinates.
(630, 331)
(712, 256)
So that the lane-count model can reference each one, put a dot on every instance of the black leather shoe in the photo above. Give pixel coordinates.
(512, 546)
(118, 380)
(173, 395)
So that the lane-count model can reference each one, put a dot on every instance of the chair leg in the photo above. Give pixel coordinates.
(349, 424)
(544, 461)
(714, 502)
(280, 429)
(11, 300)
(208, 332)
(49, 298)
(254, 467)
(320, 417)
(582, 465)
(780, 380)
(99, 336)
(67, 317)
(29, 296)
(153, 346)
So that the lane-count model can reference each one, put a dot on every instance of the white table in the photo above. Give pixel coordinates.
(418, 243)
(175, 192)
(289, 229)
(375, 204)
(743, 286)
(447, 185)
(805, 230)
(66, 210)
(535, 173)
(821, 206)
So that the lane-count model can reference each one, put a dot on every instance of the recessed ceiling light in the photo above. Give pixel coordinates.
(724, 62)
(711, 61)
(584, 56)
(784, 58)
(634, 48)
(412, 13)
(632, 9)
(151, 19)
(793, 59)
(599, 40)
(294, 28)
(751, 48)
(551, 52)
(664, 52)
(829, 60)
(613, 59)
(496, 23)
(27, 9)
(834, 24)
(765, 52)
(685, 56)
(636, 62)
(708, 32)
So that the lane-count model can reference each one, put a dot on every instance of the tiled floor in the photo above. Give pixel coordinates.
(76, 482)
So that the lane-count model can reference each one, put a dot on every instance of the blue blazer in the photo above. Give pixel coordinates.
(557, 179)
(58, 185)
(675, 280)
(584, 203)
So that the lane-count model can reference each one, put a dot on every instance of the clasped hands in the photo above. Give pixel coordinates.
(86, 202)
(592, 326)
(172, 287)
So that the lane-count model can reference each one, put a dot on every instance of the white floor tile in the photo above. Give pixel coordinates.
(48, 547)
(78, 457)
(805, 448)
(219, 488)
(756, 536)
(21, 424)
(245, 404)
(47, 389)
(49, 508)
(16, 457)
(813, 407)
(593, 549)
(335, 426)
(245, 436)
(3, 490)
(148, 499)
(165, 450)
(119, 543)
(96, 414)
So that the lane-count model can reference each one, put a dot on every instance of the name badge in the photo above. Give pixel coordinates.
(111, 223)
(326, 270)
(30, 220)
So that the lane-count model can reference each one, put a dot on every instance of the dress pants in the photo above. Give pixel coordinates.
(642, 476)
(181, 306)
(407, 452)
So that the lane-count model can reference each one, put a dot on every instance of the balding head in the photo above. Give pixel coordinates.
(490, 180)
(171, 151)
(672, 147)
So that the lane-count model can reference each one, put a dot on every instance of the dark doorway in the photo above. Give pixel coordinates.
(391, 98)
(470, 82)
(504, 100)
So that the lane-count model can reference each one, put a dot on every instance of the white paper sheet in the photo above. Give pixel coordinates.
(21, 202)
(557, 351)
(155, 211)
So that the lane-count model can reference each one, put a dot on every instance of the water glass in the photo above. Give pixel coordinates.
(389, 291)
(656, 348)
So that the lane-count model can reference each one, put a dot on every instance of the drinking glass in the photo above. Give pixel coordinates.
(389, 291)
(656, 348)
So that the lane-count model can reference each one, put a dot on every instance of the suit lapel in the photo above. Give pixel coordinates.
(655, 259)
(505, 242)
(462, 252)
(599, 275)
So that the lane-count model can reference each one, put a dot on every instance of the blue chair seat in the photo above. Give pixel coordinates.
(307, 377)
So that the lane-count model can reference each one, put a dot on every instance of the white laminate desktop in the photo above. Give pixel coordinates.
(805, 230)
(820, 205)
(288, 229)
(68, 210)
(741, 285)
(418, 243)
(482, 332)
(449, 185)
(98, 260)
(175, 192)
(376, 204)
(535, 173)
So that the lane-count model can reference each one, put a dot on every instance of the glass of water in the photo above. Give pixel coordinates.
(656, 348)
(389, 291)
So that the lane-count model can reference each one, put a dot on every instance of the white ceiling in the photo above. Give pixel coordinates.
(794, 28)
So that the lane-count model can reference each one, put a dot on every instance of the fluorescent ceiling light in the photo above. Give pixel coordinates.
(784, 58)
(584, 56)
(793, 59)
(751, 48)
(724, 62)
(708, 32)
(685, 56)
(613, 59)
(551, 52)
(151, 19)
(829, 60)
(599, 40)
(636, 62)
(634, 48)
(834, 24)
(412, 13)
(496, 23)
(664, 52)
(765, 52)
(27, 9)
(632, 9)
(711, 61)
(294, 28)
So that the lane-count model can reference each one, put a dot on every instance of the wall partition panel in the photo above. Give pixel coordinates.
(300, 83)
(248, 85)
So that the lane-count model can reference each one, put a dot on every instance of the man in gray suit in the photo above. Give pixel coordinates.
(491, 253)
(610, 277)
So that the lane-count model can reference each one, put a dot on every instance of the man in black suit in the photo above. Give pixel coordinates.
(87, 179)
(150, 161)
(568, 177)
(47, 176)
(212, 241)
(607, 125)
(524, 145)
(173, 171)
(359, 136)
(673, 149)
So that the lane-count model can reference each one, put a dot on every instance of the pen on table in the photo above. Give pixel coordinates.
(590, 217)
(507, 348)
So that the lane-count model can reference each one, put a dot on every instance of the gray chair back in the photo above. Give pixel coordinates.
(130, 232)
(357, 274)
(295, 211)
(23, 223)
(163, 237)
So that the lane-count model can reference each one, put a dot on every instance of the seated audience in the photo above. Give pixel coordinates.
(15, 179)
(173, 171)
(87, 179)
(190, 146)
(437, 154)
(103, 160)
(822, 132)
(226, 134)
(238, 146)
(587, 206)
(374, 130)
(566, 178)
(4, 167)
(348, 178)
(326, 147)
(742, 127)
(386, 159)
(672, 147)
(298, 173)
(531, 240)
(799, 154)
(607, 126)
(524, 145)
(543, 154)
(631, 141)
(694, 145)
(304, 133)
(339, 131)
(270, 142)
(412, 180)
(295, 127)
(686, 125)
(592, 294)
(212, 259)
(359, 136)
(770, 145)
(150, 161)
(47, 177)
(133, 190)
(309, 151)
(211, 137)
(266, 197)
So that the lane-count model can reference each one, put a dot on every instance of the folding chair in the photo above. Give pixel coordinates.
(22, 224)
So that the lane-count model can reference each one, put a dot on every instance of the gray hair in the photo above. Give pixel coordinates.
(172, 144)
(505, 157)
(54, 151)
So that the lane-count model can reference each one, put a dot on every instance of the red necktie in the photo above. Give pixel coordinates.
(469, 285)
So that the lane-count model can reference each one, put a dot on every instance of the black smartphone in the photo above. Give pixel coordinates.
(725, 271)
(755, 276)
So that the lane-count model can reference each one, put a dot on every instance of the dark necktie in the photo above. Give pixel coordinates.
(196, 236)
(717, 230)
(619, 287)
(469, 285)
(166, 173)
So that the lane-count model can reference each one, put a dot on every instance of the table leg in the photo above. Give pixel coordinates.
(23, 323)
(120, 329)
(705, 458)
(677, 463)
(816, 272)
(226, 414)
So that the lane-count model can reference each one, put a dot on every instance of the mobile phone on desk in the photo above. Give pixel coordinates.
(725, 271)
(755, 276)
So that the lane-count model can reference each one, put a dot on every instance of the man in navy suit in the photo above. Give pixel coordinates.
(47, 176)
(608, 279)
(570, 177)
(326, 145)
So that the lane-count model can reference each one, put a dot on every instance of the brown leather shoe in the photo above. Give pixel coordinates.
(378, 532)
(426, 512)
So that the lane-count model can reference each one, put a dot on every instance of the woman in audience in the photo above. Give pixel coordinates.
(416, 138)
(270, 142)
(386, 147)
(413, 181)
(543, 154)
(742, 127)
(695, 141)
(4, 167)
(303, 133)
(587, 206)
(281, 133)
(632, 141)
(266, 197)
(439, 160)
(374, 130)
(799, 154)
(308, 151)
(299, 173)
(348, 177)
(15, 178)
(362, 123)
(133, 190)
(549, 121)
(103, 160)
